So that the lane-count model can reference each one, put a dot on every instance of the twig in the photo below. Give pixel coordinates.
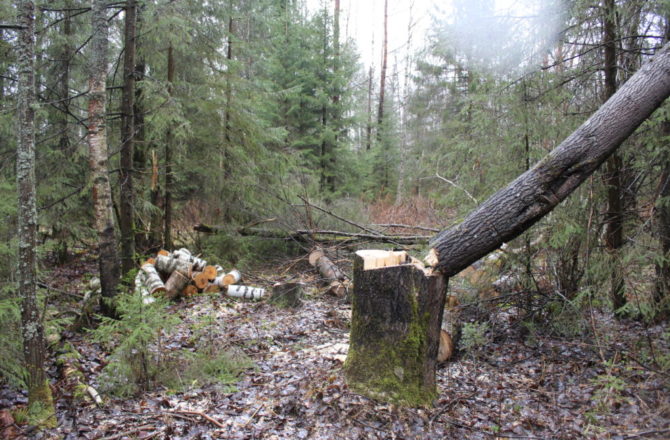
(62, 292)
(203, 415)
(646, 433)
(455, 185)
(128, 433)
(372, 231)
(393, 225)
(253, 415)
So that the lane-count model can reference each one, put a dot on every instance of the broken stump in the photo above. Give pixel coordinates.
(287, 295)
(395, 328)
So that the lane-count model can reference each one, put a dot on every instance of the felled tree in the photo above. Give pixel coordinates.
(504, 216)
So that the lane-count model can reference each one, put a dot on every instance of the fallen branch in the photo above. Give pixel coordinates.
(393, 225)
(320, 235)
(201, 414)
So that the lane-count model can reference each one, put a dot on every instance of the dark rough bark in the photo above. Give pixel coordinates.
(395, 333)
(662, 290)
(169, 141)
(614, 214)
(98, 154)
(514, 209)
(34, 350)
(64, 83)
(126, 199)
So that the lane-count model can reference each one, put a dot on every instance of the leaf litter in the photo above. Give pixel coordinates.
(514, 387)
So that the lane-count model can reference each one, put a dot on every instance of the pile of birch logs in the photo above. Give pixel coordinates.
(180, 273)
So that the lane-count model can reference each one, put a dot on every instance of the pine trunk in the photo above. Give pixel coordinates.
(98, 154)
(126, 205)
(34, 350)
(395, 330)
(514, 209)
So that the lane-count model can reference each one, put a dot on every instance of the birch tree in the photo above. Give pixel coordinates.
(98, 154)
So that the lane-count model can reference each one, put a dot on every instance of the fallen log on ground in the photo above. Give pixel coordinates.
(320, 235)
(379, 315)
(331, 275)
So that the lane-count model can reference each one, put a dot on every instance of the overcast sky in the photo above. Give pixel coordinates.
(362, 20)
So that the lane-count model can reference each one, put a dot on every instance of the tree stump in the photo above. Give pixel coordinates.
(395, 328)
(287, 295)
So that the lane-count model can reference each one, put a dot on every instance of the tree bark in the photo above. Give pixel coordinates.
(34, 350)
(64, 83)
(514, 209)
(98, 154)
(614, 214)
(169, 141)
(662, 290)
(127, 196)
(395, 331)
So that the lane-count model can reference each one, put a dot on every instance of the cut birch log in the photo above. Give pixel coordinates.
(395, 331)
(200, 280)
(287, 295)
(152, 280)
(176, 284)
(185, 255)
(212, 288)
(246, 292)
(169, 264)
(232, 277)
(210, 272)
(189, 290)
(141, 288)
(450, 329)
(163, 252)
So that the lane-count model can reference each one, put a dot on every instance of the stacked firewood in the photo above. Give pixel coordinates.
(179, 273)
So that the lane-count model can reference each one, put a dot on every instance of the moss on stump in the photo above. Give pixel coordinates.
(395, 327)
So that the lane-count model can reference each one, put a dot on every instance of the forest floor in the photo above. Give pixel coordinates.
(517, 385)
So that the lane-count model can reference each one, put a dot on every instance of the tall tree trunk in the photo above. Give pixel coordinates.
(34, 350)
(126, 199)
(64, 83)
(98, 154)
(337, 107)
(514, 209)
(662, 290)
(368, 127)
(143, 235)
(229, 102)
(614, 215)
(382, 80)
(325, 143)
(169, 146)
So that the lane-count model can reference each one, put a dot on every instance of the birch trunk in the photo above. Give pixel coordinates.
(98, 154)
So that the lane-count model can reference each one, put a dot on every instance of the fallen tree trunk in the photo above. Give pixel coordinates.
(395, 331)
(331, 275)
(514, 209)
(320, 235)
